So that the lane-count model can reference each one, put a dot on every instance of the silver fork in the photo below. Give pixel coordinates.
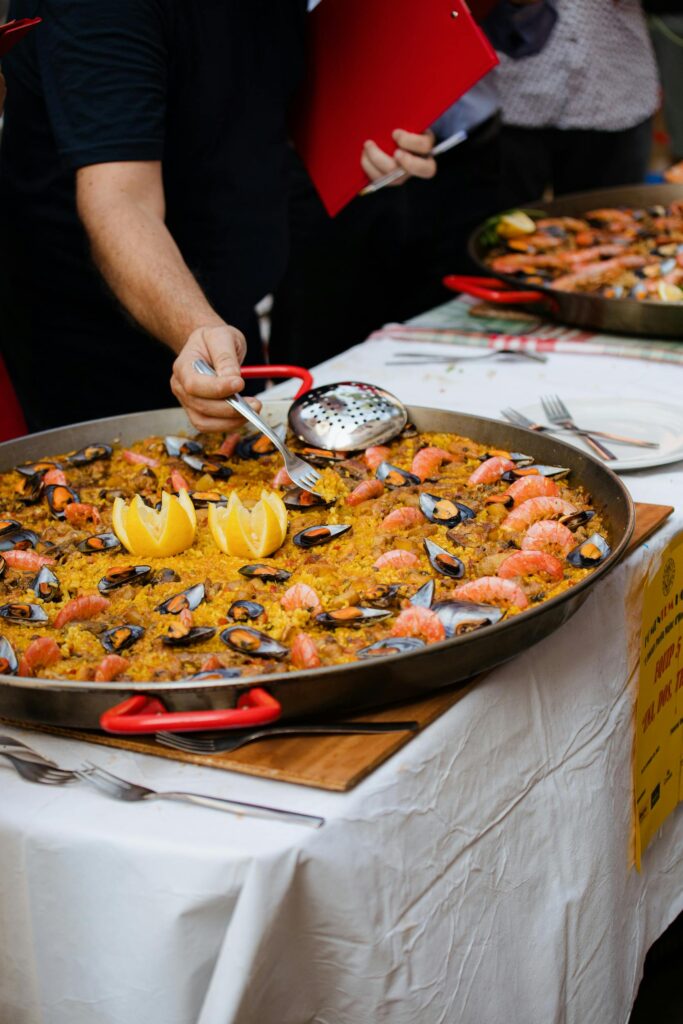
(419, 358)
(36, 771)
(14, 746)
(301, 472)
(224, 744)
(557, 412)
(520, 420)
(121, 789)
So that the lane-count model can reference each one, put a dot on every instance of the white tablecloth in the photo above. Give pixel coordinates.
(480, 876)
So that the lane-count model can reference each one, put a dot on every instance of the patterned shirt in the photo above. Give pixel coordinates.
(596, 71)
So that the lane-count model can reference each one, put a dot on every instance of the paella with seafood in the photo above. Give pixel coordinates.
(616, 253)
(181, 558)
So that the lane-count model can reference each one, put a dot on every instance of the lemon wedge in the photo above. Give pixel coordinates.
(144, 531)
(669, 292)
(515, 225)
(246, 533)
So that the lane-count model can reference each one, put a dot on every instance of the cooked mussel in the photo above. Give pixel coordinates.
(242, 611)
(58, 497)
(9, 526)
(122, 575)
(20, 540)
(45, 585)
(314, 535)
(29, 468)
(553, 472)
(179, 634)
(190, 599)
(217, 673)
(444, 511)
(92, 453)
(8, 659)
(322, 456)
(353, 615)
(119, 638)
(211, 465)
(443, 561)
(29, 490)
(176, 446)
(392, 476)
(28, 614)
(201, 499)
(520, 459)
(3, 567)
(577, 519)
(258, 446)
(383, 595)
(267, 573)
(590, 553)
(423, 597)
(299, 498)
(99, 542)
(164, 576)
(391, 645)
(459, 617)
(252, 642)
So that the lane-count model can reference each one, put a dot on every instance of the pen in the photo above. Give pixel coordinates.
(387, 179)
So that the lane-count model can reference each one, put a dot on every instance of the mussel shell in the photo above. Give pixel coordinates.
(3, 567)
(354, 615)
(8, 659)
(423, 597)
(213, 466)
(577, 519)
(297, 498)
(119, 638)
(91, 453)
(176, 446)
(252, 642)
(443, 561)
(440, 510)
(28, 614)
(201, 499)
(99, 542)
(45, 585)
(242, 611)
(267, 573)
(459, 617)
(322, 456)
(20, 540)
(255, 446)
(217, 673)
(553, 472)
(590, 553)
(29, 468)
(520, 459)
(383, 595)
(29, 490)
(465, 511)
(9, 526)
(392, 476)
(58, 497)
(165, 576)
(190, 598)
(323, 534)
(179, 635)
(391, 645)
(122, 575)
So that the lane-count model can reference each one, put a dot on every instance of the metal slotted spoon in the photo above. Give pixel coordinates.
(301, 473)
(347, 416)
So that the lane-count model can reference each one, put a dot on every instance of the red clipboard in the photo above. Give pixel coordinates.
(12, 31)
(374, 66)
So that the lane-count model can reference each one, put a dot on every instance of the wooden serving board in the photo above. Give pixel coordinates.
(329, 762)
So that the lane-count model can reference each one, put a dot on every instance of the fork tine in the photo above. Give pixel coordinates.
(191, 746)
(96, 769)
(562, 408)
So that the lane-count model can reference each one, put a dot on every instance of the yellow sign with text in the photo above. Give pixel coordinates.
(658, 779)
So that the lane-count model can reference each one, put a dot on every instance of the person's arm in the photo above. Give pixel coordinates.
(122, 208)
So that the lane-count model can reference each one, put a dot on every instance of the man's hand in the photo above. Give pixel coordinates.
(411, 156)
(201, 396)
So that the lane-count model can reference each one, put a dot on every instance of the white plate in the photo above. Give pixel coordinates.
(633, 417)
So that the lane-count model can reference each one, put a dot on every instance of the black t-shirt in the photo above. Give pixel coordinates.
(202, 86)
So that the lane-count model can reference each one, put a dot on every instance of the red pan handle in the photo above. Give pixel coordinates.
(491, 289)
(142, 714)
(278, 370)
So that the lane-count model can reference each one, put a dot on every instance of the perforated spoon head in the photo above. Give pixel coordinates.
(347, 416)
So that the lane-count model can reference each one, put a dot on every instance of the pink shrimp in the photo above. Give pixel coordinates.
(594, 252)
(110, 667)
(428, 460)
(230, 442)
(282, 478)
(136, 459)
(365, 490)
(300, 595)
(178, 481)
(593, 272)
(402, 519)
(376, 454)
(419, 622)
(396, 559)
(529, 563)
(492, 590)
(40, 653)
(533, 509)
(568, 223)
(610, 214)
(212, 663)
(490, 470)
(55, 476)
(29, 561)
(304, 653)
(87, 606)
(80, 515)
(532, 486)
(550, 536)
(512, 262)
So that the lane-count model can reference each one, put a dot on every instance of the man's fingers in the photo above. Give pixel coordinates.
(417, 166)
(375, 162)
(227, 348)
(421, 144)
